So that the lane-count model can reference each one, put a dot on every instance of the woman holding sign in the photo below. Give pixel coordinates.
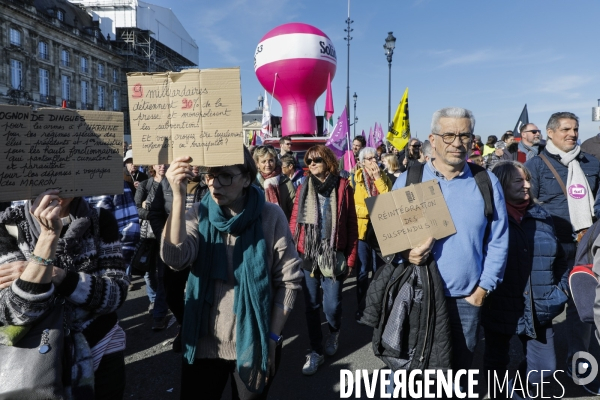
(73, 265)
(535, 285)
(326, 234)
(242, 284)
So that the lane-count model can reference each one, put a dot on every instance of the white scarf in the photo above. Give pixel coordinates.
(579, 196)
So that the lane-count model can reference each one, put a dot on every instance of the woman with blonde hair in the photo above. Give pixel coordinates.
(391, 166)
(278, 187)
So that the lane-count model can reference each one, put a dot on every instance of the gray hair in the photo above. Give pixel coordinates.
(366, 152)
(426, 148)
(553, 123)
(451, 112)
(289, 159)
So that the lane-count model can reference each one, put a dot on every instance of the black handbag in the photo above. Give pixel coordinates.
(32, 369)
(144, 258)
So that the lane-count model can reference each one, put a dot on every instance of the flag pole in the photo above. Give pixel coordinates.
(272, 95)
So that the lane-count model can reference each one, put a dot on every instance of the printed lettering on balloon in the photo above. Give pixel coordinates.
(328, 50)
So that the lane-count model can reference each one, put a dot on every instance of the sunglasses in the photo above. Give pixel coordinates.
(416, 145)
(317, 160)
(534, 131)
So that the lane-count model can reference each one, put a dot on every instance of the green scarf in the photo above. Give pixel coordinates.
(252, 296)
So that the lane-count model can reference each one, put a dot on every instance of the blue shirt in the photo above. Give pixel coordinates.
(463, 259)
(123, 208)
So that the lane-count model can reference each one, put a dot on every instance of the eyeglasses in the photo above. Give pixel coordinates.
(416, 145)
(534, 131)
(449, 138)
(317, 160)
(370, 158)
(225, 179)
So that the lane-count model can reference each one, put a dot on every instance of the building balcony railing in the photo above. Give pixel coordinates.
(84, 70)
(65, 63)
(47, 99)
(43, 56)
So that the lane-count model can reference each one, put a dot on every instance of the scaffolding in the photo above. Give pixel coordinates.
(142, 52)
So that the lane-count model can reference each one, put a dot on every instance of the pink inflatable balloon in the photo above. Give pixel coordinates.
(295, 59)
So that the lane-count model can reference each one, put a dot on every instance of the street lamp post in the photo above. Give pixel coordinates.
(389, 46)
(355, 119)
(348, 38)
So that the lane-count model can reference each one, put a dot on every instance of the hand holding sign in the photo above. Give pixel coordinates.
(419, 254)
(178, 175)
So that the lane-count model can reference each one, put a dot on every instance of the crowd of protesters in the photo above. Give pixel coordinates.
(235, 245)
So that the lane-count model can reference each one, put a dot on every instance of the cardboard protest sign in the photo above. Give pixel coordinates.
(78, 152)
(195, 113)
(405, 218)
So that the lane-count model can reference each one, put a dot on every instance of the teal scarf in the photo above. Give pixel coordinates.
(252, 297)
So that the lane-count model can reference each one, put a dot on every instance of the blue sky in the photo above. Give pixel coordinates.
(489, 57)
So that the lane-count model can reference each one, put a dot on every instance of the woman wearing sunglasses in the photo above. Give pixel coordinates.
(242, 284)
(324, 226)
(369, 181)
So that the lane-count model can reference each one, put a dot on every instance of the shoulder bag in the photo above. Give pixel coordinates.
(32, 368)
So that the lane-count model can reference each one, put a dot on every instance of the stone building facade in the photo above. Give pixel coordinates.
(52, 50)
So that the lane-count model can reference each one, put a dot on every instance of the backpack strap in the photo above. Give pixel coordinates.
(414, 174)
(484, 183)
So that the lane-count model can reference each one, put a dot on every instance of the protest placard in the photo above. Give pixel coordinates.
(196, 113)
(78, 152)
(405, 218)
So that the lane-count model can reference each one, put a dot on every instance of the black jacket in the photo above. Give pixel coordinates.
(426, 336)
(161, 206)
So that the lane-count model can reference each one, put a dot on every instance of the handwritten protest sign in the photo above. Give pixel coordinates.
(405, 218)
(195, 113)
(78, 152)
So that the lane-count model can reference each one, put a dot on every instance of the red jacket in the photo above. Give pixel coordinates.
(347, 226)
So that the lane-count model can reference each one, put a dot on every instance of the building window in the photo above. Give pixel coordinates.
(84, 65)
(100, 70)
(115, 75)
(101, 97)
(66, 87)
(115, 100)
(15, 37)
(60, 14)
(16, 73)
(84, 93)
(43, 50)
(44, 82)
(65, 58)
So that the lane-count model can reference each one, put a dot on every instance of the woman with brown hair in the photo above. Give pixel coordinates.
(326, 233)
(244, 275)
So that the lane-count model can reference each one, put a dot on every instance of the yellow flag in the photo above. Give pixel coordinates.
(399, 133)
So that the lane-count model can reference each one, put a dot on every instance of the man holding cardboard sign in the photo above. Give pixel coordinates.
(472, 261)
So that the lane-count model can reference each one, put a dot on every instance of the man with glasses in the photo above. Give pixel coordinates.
(472, 261)
(530, 145)
(285, 147)
(410, 155)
